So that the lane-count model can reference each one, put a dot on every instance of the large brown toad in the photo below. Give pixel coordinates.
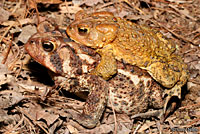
(131, 91)
(116, 38)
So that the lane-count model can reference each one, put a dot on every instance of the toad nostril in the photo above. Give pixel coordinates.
(32, 42)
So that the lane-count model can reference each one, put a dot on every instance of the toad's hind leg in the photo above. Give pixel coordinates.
(95, 103)
(172, 75)
(163, 74)
(176, 90)
(107, 66)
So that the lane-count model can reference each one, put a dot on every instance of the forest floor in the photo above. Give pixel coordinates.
(29, 104)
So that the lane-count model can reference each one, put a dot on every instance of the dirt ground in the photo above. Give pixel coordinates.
(29, 101)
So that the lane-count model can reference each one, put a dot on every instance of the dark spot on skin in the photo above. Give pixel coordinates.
(131, 82)
(127, 78)
(79, 71)
(140, 74)
(114, 19)
(119, 96)
(148, 83)
(74, 83)
(140, 96)
(131, 93)
(171, 92)
(132, 111)
(57, 62)
(67, 40)
(121, 79)
(88, 51)
(153, 99)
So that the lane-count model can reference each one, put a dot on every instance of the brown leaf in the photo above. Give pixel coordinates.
(26, 33)
(87, 2)
(92, 2)
(4, 15)
(65, 8)
(49, 1)
(9, 98)
(18, 23)
(72, 129)
(33, 3)
(47, 116)
(5, 77)
(147, 125)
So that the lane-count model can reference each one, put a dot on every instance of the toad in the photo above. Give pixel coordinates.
(118, 39)
(131, 91)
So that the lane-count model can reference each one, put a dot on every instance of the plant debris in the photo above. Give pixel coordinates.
(31, 104)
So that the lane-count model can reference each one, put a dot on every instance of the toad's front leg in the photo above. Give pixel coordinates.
(96, 101)
(107, 66)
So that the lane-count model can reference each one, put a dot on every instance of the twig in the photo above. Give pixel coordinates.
(186, 15)
(19, 123)
(126, 1)
(38, 21)
(17, 6)
(193, 121)
(4, 34)
(33, 121)
(175, 34)
(8, 51)
(15, 58)
(194, 105)
(105, 5)
(192, 80)
(115, 120)
(137, 128)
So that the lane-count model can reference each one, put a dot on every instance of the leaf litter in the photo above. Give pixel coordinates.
(31, 104)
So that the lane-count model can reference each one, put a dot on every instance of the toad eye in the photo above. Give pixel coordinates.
(82, 31)
(48, 46)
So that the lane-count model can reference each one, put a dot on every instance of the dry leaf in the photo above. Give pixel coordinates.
(55, 125)
(92, 2)
(9, 98)
(49, 1)
(33, 3)
(4, 15)
(65, 8)
(26, 33)
(18, 23)
(86, 2)
(72, 129)
(47, 116)
(146, 126)
(78, 2)
(5, 77)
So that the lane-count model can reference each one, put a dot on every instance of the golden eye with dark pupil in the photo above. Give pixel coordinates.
(82, 31)
(48, 46)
